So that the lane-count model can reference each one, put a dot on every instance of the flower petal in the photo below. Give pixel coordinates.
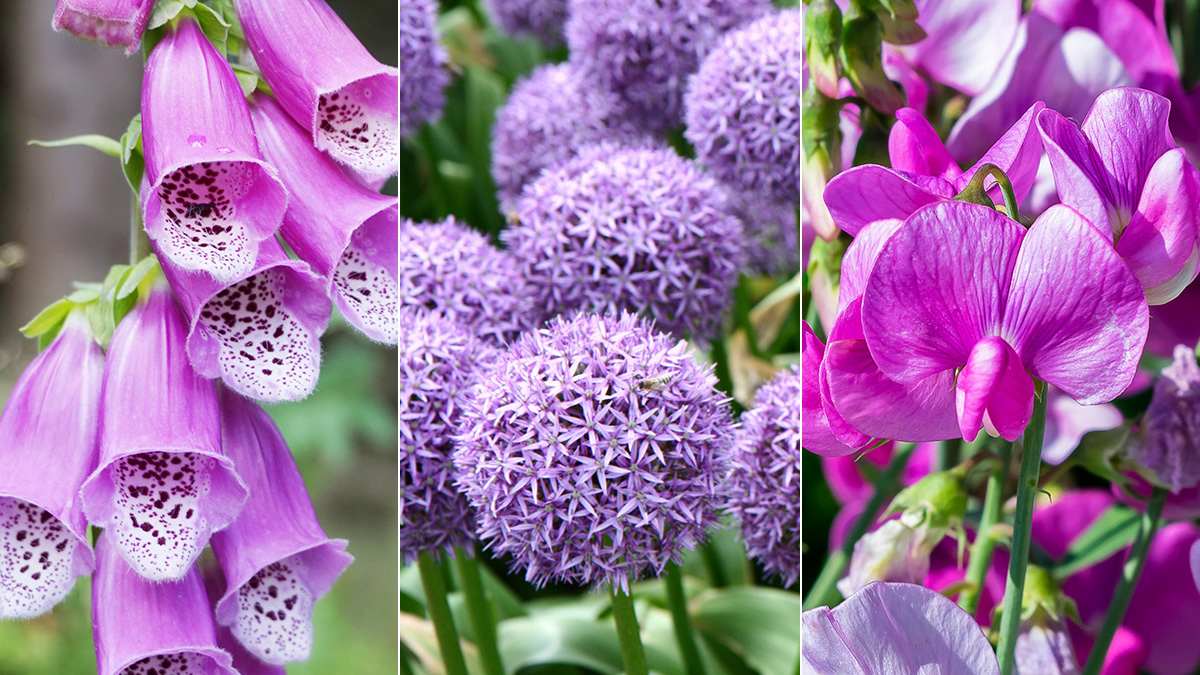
(859, 260)
(1078, 173)
(1017, 153)
(868, 193)
(1160, 242)
(993, 390)
(1165, 608)
(914, 147)
(1126, 150)
(966, 40)
(817, 436)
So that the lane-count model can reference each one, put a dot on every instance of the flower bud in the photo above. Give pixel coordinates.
(894, 552)
(823, 31)
(821, 140)
(862, 59)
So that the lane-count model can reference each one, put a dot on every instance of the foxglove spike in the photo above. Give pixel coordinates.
(163, 485)
(275, 555)
(326, 80)
(151, 627)
(346, 232)
(112, 22)
(50, 419)
(211, 199)
(261, 334)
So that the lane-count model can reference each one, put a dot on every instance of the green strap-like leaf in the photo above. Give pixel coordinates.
(108, 146)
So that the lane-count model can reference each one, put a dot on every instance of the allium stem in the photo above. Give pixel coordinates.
(677, 602)
(439, 613)
(1129, 578)
(1027, 485)
(985, 539)
(884, 486)
(628, 634)
(712, 564)
(481, 611)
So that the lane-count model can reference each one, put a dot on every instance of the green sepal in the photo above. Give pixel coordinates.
(213, 23)
(938, 500)
(823, 32)
(48, 322)
(249, 80)
(899, 21)
(133, 164)
(120, 291)
(861, 53)
(104, 144)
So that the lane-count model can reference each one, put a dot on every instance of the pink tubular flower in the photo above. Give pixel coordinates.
(47, 448)
(1121, 170)
(208, 198)
(163, 484)
(346, 232)
(327, 81)
(112, 22)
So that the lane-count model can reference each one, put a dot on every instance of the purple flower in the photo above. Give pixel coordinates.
(771, 243)
(144, 627)
(112, 22)
(208, 199)
(424, 77)
(261, 334)
(743, 107)
(276, 558)
(163, 484)
(894, 628)
(645, 50)
(593, 451)
(47, 448)
(1170, 428)
(1067, 422)
(439, 360)
(548, 117)
(328, 82)
(452, 269)
(639, 229)
(542, 19)
(1122, 171)
(1133, 35)
(346, 232)
(818, 435)
(764, 482)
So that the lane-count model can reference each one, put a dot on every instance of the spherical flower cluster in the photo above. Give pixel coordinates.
(632, 229)
(594, 450)
(771, 245)
(548, 117)
(438, 360)
(743, 107)
(449, 267)
(644, 50)
(764, 483)
(542, 19)
(423, 75)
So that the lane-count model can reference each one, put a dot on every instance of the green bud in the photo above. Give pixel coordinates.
(862, 59)
(938, 500)
(823, 31)
(821, 140)
(899, 19)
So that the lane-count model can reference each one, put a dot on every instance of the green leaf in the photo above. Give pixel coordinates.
(132, 162)
(247, 78)
(1111, 532)
(104, 144)
(49, 319)
(535, 641)
(759, 624)
(131, 279)
(215, 28)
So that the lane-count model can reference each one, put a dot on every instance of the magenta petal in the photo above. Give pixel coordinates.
(112, 22)
(894, 628)
(47, 449)
(1128, 151)
(1165, 608)
(926, 305)
(859, 260)
(1076, 314)
(816, 435)
(163, 485)
(1160, 242)
(275, 555)
(208, 198)
(1194, 558)
(914, 147)
(966, 40)
(1067, 422)
(327, 81)
(1078, 172)
(347, 233)
(993, 390)
(868, 193)
(1017, 153)
(1128, 29)
(163, 624)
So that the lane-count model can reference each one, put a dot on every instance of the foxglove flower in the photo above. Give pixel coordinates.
(424, 77)
(50, 420)
(593, 451)
(635, 229)
(328, 82)
(112, 22)
(163, 485)
(743, 107)
(276, 558)
(542, 19)
(894, 628)
(208, 199)
(439, 359)
(1170, 429)
(764, 481)
(452, 269)
(645, 50)
(547, 118)
(1122, 171)
(144, 627)
(261, 334)
(346, 232)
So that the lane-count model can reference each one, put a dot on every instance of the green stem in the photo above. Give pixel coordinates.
(677, 602)
(139, 243)
(985, 539)
(824, 588)
(712, 564)
(439, 613)
(479, 608)
(628, 634)
(1129, 579)
(1027, 485)
(975, 193)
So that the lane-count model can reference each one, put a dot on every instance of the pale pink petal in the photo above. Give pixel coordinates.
(1160, 243)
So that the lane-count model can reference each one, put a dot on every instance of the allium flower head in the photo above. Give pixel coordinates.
(771, 243)
(645, 50)
(743, 106)
(542, 19)
(423, 76)
(594, 450)
(547, 118)
(1170, 433)
(438, 361)
(630, 229)
(764, 483)
(453, 269)
(112, 22)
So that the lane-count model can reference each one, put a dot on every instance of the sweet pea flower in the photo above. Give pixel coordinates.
(816, 433)
(1133, 35)
(1121, 170)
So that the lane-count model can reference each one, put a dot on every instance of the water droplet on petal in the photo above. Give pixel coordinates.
(197, 140)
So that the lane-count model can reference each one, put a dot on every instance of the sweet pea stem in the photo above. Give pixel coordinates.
(439, 613)
(884, 486)
(976, 194)
(677, 602)
(479, 608)
(1129, 578)
(628, 634)
(1027, 485)
(985, 539)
